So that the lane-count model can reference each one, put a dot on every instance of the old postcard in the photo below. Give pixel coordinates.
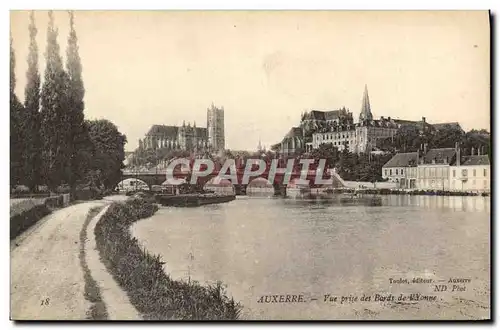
(250, 165)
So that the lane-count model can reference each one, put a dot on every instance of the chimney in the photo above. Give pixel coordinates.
(388, 118)
(423, 119)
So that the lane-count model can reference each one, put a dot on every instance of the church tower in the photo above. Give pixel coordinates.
(366, 112)
(215, 128)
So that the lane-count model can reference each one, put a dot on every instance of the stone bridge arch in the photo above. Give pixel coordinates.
(132, 184)
(219, 185)
(260, 186)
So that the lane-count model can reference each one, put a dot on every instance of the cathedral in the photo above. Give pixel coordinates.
(187, 137)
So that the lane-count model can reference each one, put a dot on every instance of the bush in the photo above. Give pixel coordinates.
(23, 219)
(153, 293)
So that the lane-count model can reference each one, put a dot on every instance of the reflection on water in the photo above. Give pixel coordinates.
(262, 246)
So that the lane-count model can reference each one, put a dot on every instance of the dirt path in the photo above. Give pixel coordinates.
(46, 277)
(117, 303)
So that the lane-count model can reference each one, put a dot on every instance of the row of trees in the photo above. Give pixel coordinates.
(409, 139)
(51, 142)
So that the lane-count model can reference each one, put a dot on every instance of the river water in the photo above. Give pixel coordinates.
(273, 246)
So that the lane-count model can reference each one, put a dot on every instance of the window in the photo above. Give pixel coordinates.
(454, 172)
(390, 171)
(485, 172)
(396, 171)
(402, 172)
(473, 172)
(464, 172)
(385, 171)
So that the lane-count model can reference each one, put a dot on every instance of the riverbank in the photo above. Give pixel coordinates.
(152, 292)
(192, 200)
(384, 191)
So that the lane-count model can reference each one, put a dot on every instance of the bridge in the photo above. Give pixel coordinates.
(157, 177)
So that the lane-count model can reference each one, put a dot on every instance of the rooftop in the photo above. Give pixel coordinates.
(476, 160)
(439, 155)
(165, 130)
(402, 160)
(444, 125)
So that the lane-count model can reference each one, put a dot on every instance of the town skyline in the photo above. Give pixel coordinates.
(266, 74)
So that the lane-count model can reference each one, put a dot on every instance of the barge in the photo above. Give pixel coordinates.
(191, 200)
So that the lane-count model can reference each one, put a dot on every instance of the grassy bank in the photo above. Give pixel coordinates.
(92, 293)
(152, 292)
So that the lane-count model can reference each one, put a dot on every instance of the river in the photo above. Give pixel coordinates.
(274, 246)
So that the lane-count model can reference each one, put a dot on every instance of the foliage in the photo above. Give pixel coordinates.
(446, 137)
(55, 124)
(50, 141)
(152, 157)
(79, 143)
(16, 138)
(409, 139)
(328, 152)
(31, 120)
(153, 293)
(361, 167)
(25, 214)
(108, 153)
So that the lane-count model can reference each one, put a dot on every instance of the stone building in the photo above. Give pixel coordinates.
(338, 128)
(187, 137)
(402, 169)
(434, 169)
(471, 173)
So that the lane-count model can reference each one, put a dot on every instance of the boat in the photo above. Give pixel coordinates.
(191, 200)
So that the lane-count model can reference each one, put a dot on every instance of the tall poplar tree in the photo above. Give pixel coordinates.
(55, 122)
(80, 144)
(16, 108)
(31, 118)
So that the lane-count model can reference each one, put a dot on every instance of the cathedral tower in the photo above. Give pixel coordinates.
(366, 113)
(215, 127)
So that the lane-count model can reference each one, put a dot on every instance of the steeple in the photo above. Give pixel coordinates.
(259, 147)
(366, 112)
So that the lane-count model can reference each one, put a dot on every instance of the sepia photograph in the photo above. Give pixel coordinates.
(250, 165)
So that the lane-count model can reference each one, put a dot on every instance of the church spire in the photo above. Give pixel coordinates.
(366, 112)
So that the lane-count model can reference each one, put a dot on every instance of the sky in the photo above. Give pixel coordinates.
(142, 68)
